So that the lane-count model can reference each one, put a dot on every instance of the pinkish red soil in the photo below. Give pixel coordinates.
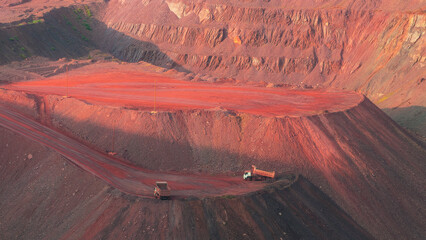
(158, 92)
(120, 174)
(47, 197)
(373, 47)
(340, 141)
(353, 155)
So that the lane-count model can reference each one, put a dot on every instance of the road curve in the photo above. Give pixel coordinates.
(124, 176)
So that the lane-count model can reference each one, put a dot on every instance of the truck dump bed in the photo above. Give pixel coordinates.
(162, 185)
(164, 189)
(256, 171)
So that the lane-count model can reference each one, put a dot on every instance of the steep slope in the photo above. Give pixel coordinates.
(368, 165)
(18, 11)
(56, 200)
(358, 156)
(375, 47)
(363, 160)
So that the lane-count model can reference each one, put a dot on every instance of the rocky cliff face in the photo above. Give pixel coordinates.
(376, 47)
(364, 161)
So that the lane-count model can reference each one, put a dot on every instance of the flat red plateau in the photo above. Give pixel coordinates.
(152, 91)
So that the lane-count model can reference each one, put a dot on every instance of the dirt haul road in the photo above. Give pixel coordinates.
(119, 174)
(150, 91)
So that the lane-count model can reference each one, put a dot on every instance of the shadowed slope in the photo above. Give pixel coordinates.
(359, 157)
(57, 200)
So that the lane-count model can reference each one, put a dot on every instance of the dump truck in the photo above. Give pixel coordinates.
(256, 174)
(162, 190)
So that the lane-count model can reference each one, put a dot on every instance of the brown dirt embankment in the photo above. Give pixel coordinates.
(43, 196)
(359, 157)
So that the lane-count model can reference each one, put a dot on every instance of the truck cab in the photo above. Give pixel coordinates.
(247, 175)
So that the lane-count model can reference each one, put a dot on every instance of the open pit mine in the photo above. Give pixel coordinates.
(212, 119)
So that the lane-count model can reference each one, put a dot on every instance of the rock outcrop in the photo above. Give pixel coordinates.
(376, 47)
